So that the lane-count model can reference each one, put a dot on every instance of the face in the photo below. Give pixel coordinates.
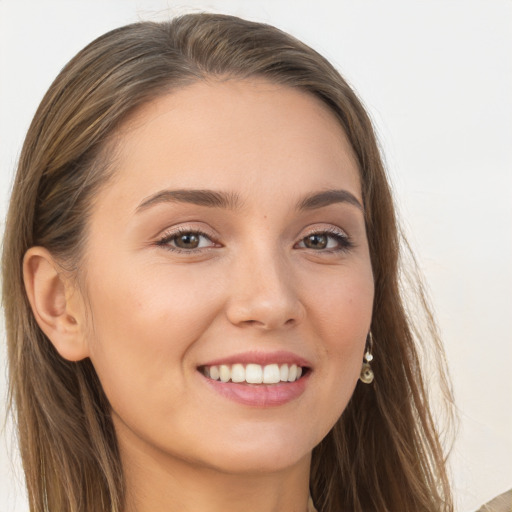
(230, 247)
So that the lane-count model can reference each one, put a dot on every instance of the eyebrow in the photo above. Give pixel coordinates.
(209, 198)
(328, 197)
(231, 200)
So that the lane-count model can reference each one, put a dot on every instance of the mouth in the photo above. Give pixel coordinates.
(258, 379)
(253, 373)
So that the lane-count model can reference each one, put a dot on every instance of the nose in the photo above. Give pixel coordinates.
(263, 292)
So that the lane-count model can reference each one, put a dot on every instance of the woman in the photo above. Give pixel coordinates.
(201, 288)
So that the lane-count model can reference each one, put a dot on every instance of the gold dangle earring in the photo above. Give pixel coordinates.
(367, 375)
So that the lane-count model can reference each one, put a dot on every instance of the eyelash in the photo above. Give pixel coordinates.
(169, 237)
(343, 241)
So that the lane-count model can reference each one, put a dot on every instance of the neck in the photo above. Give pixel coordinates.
(156, 482)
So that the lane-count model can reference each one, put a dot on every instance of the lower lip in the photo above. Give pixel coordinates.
(260, 395)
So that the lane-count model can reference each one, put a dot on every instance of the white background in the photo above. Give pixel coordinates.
(436, 77)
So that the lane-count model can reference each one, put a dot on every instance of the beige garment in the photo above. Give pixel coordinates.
(502, 503)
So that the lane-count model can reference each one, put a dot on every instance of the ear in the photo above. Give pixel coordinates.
(56, 304)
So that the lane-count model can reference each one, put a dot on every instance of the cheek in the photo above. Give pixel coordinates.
(341, 312)
(152, 298)
(342, 306)
(144, 325)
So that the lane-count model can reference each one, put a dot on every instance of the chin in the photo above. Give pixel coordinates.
(252, 462)
(259, 451)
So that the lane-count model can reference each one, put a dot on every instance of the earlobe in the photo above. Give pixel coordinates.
(49, 293)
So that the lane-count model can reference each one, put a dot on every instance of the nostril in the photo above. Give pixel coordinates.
(268, 324)
(252, 322)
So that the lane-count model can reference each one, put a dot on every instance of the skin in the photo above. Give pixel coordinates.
(150, 315)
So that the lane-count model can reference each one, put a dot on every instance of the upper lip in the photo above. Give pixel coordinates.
(261, 358)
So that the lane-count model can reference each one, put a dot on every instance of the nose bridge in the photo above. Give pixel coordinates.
(263, 290)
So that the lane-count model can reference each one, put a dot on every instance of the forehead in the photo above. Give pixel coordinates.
(235, 134)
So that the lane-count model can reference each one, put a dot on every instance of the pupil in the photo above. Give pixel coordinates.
(316, 241)
(188, 241)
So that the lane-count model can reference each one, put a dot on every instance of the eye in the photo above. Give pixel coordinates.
(329, 241)
(185, 240)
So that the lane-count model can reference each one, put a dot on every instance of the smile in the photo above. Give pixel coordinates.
(253, 373)
(258, 379)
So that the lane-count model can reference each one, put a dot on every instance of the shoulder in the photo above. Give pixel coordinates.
(502, 503)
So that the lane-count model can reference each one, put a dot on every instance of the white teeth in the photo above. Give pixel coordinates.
(214, 372)
(254, 373)
(283, 371)
(238, 373)
(271, 374)
(292, 373)
(224, 372)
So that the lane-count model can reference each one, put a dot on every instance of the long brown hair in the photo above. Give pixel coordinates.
(384, 453)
